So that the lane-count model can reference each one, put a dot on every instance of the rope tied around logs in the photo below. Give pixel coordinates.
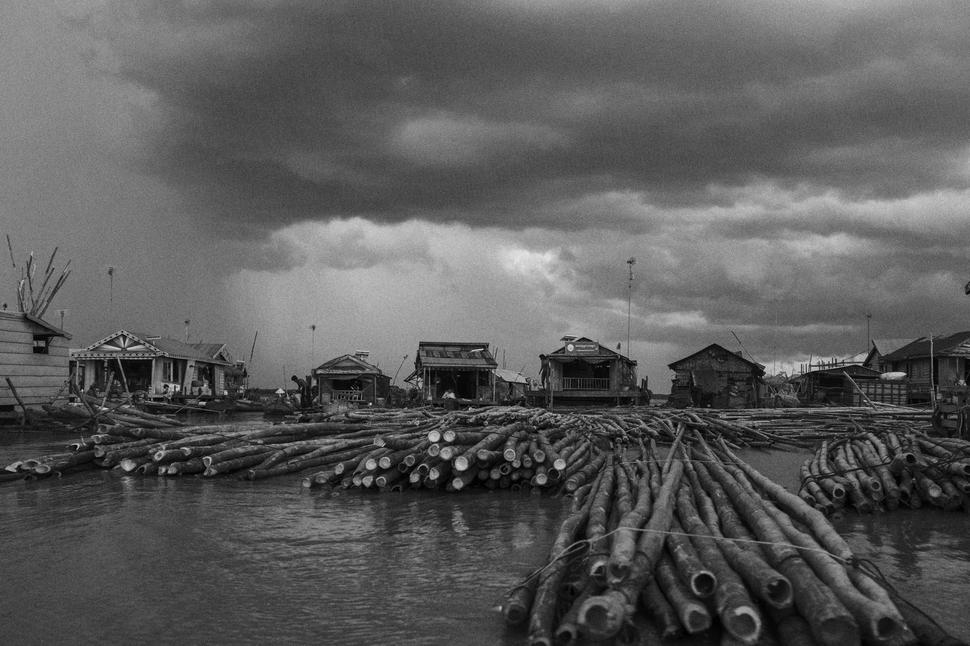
(577, 546)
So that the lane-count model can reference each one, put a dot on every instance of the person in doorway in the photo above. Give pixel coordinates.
(166, 393)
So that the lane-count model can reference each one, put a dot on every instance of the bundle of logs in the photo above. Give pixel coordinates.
(700, 545)
(872, 471)
(496, 447)
(691, 542)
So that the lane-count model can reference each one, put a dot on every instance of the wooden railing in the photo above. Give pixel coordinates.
(585, 383)
(347, 395)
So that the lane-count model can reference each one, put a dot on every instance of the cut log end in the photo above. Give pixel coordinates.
(703, 584)
(601, 617)
(743, 623)
(695, 618)
(778, 593)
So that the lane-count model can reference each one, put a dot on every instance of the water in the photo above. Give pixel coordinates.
(98, 557)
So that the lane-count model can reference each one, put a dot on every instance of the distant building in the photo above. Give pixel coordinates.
(148, 363)
(875, 359)
(464, 368)
(583, 371)
(351, 378)
(715, 377)
(932, 362)
(34, 355)
(510, 386)
(840, 385)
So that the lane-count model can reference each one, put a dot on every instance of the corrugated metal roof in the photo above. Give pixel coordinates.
(510, 376)
(720, 349)
(953, 345)
(147, 345)
(885, 346)
(454, 355)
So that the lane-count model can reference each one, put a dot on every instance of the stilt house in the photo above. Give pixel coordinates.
(147, 362)
(34, 356)
(932, 363)
(351, 378)
(464, 368)
(583, 371)
(715, 377)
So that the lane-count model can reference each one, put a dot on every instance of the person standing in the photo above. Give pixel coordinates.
(544, 371)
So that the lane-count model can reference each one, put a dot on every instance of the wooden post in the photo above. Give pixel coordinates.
(864, 396)
(16, 396)
(124, 379)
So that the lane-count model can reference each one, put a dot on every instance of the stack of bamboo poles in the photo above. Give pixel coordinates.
(696, 542)
(701, 545)
(496, 447)
(883, 471)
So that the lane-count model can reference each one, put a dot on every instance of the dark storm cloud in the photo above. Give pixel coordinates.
(269, 113)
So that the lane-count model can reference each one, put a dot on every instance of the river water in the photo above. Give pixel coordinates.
(99, 557)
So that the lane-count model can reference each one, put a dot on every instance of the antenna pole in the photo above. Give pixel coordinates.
(629, 301)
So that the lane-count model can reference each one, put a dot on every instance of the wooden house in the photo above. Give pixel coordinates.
(932, 363)
(840, 385)
(148, 363)
(584, 371)
(351, 378)
(715, 377)
(464, 368)
(510, 386)
(875, 359)
(34, 356)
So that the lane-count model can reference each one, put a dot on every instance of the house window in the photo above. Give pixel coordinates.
(167, 372)
(42, 344)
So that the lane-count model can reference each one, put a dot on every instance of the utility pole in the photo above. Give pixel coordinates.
(868, 334)
(313, 332)
(629, 300)
(111, 295)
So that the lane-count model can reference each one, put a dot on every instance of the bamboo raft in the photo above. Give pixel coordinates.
(692, 542)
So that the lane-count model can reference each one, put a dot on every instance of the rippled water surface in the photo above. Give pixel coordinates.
(98, 557)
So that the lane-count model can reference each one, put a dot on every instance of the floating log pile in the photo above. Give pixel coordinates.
(693, 542)
(701, 546)
(495, 447)
(882, 471)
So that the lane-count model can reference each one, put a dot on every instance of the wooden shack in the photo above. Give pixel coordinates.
(34, 356)
(585, 372)
(937, 362)
(464, 368)
(351, 378)
(715, 377)
(148, 363)
(840, 386)
(510, 386)
(880, 348)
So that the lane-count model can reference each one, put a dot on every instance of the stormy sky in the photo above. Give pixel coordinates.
(392, 172)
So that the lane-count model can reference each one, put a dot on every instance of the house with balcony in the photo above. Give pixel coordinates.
(585, 372)
(353, 379)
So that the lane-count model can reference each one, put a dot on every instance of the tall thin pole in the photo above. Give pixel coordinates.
(111, 294)
(313, 333)
(629, 302)
(868, 334)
